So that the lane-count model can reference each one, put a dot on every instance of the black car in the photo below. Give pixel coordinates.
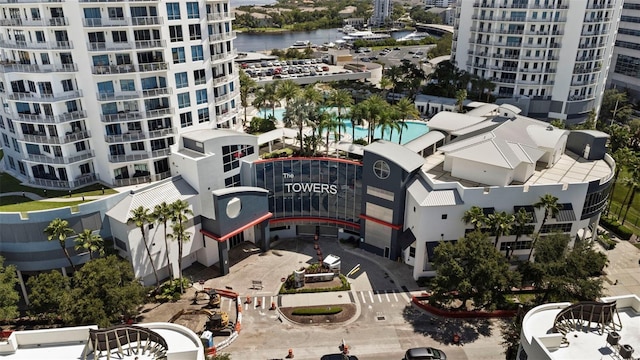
(425, 353)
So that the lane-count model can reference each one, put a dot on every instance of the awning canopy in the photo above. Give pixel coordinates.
(223, 238)
(406, 239)
(350, 147)
(424, 141)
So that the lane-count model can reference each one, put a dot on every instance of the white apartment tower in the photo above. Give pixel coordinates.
(381, 12)
(548, 57)
(625, 68)
(99, 90)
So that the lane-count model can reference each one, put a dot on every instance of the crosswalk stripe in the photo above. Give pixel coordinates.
(405, 297)
(371, 296)
(387, 295)
(263, 303)
(379, 297)
(229, 306)
(363, 300)
(395, 296)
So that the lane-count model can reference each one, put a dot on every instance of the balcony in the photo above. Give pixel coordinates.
(222, 79)
(221, 16)
(47, 45)
(128, 68)
(583, 82)
(224, 56)
(579, 97)
(221, 37)
(123, 21)
(82, 180)
(128, 95)
(44, 139)
(581, 70)
(591, 46)
(139, 156)
(29, 96)
(94, 1)
(138, 135)
(29, 1)
(223, 116)
(52, 119)
(141, 179)
(139, 45)
(589, 58)
(44, 159)
(35, 68)
(136, 115)
(49, 22)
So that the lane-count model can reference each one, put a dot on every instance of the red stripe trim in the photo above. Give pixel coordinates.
(319, 219)
(259, 161)
(378, 221)
(236, 231)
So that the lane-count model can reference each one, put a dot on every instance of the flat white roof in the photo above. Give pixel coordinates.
(587, 343)
(449, 121)
(424, 141)
(277, 134)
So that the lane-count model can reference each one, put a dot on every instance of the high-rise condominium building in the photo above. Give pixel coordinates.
(625, 68)
(98, 90)
(381, 12)
(548, 57)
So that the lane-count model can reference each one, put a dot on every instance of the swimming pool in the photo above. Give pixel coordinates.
(414, 129)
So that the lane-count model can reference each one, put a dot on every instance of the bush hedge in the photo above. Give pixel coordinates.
(616, 227)
(329, 310)
(288, 290)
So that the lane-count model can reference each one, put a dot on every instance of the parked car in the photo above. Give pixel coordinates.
(425, 353)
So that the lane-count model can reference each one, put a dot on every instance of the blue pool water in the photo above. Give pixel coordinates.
(414, 129)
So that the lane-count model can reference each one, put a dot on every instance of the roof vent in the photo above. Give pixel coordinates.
(550, 128)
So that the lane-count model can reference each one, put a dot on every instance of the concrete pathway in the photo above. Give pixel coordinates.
(623, 270)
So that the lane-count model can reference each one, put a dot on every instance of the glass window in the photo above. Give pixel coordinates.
(183, 100)
(186, 120)
(201, 96)
(181, 80)
(203, 115)
(127, 85)
(137, 146)
(175, 33)
(192, 10)
(194, 32)
(199, 77)
(178, 55)
(173, 11)
(197, 53)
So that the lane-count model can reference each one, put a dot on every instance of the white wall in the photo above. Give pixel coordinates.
(481, 173)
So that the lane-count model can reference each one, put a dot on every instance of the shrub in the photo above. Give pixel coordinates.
(614, 226)
(170, 290)
(360, 142)
(329, 310)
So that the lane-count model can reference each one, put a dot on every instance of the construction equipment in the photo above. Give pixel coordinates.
(214, 297)
(217, 320)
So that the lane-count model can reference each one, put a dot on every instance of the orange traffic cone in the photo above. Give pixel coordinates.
(248, 300)
(273, 306)
(290, 355)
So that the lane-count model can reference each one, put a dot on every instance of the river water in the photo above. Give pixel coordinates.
(262, 42)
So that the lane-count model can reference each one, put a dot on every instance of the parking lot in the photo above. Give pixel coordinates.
(285, 69)
(394, 56)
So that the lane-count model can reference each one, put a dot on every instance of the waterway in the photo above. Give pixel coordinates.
(263, 42)
(236, 3)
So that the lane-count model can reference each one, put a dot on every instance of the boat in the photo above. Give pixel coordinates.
(415, 36)
(347, 29)
(301, 44)
(365, 35)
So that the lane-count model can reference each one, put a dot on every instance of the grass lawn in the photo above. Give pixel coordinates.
(33, 205)
(10, 184)
(619, 194)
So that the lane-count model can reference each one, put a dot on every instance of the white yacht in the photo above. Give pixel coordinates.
(300, 44)
(348, 29)
(365, 35)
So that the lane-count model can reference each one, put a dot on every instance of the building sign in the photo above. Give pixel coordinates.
(311, 187)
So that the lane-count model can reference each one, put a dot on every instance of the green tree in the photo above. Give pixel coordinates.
(500, 224)
(140, 216)
(342, 100)
(104, 291)
(521, 220)
(287, 90)
(88, 241)
(615, 107)
(9, 297)
(59, 229)
(551, 208)
(619, 137)
(405, 109)
(475, 216)
(623, 158)
(330, 125)
(247, 86)
(473, 268)
(634, 184)
(297, 114)
(267, 96)
(511, 330)
(48, 292)
(461, 96)
(180, 212)
(163, 213)
(312, 95)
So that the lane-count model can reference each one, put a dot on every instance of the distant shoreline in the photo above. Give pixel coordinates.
(237, 3)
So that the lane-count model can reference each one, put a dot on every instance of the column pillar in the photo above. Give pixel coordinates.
(263, 233)
(223, 255)
(64, 272)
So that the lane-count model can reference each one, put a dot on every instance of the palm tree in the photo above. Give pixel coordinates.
(634, 183)
(298, 113)
(312, 95)
(89, 241)
(374, 111)
(385, 84)
(330, 124)
(461, 96)
(180, 211)
(501, 223)
(267, 96)
(180, 235)
(247, 85)
(551, 208)
(59, 229)
(474, 216)
(341, 99)
(287, 90)
(520, 221)
(162, 213)
(406, 109)
(623, 157)
(140, 216)
(357, 115)
(395, 75)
